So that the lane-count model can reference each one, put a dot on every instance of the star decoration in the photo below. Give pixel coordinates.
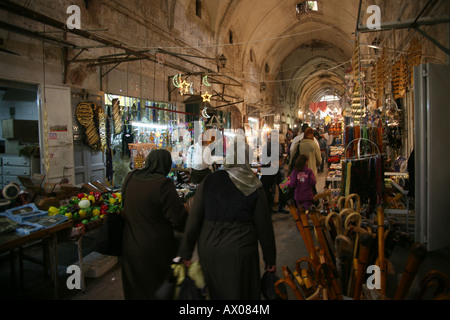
(184, 87)
(206, 97)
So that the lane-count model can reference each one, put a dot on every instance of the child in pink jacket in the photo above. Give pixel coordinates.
(303, 179)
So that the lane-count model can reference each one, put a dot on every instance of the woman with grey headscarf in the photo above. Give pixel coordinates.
(228, 218)
(153, 211)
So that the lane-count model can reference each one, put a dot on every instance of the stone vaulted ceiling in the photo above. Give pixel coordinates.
(299, 59)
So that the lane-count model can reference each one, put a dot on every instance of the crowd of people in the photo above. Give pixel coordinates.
(229, 217)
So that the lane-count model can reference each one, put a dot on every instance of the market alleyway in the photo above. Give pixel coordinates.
(290, 248)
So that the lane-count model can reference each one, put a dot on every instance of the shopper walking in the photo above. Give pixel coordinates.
(303, 181)
(308, 147)
(153, 211)
(268, 180)
(228, 218)
(323, 150)
(199, 160)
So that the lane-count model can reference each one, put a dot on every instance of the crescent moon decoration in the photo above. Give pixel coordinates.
(176, 81)
(205, 81)
(205, 114)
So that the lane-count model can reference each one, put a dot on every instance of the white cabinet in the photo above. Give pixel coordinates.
(13, 166)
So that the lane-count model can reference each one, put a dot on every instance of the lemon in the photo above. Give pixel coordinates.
(53, 210)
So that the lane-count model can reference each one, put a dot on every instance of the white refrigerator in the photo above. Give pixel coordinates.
(432, 155)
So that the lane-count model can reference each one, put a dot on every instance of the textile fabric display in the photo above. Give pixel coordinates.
(315, 106)
(363, 177)
(373, 134)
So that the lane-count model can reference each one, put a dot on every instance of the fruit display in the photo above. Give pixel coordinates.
(89, 207)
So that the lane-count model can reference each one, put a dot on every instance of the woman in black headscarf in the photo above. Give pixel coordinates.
(153, 211)
(229, 216)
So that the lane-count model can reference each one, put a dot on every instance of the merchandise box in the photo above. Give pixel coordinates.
(26, 228)
(25, 212)
(7, 224)
(48, 221)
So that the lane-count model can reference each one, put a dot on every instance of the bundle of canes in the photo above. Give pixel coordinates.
(416, 257)
(301, 221)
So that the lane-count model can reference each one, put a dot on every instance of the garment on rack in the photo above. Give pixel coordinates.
(363, 177)
(356, 132)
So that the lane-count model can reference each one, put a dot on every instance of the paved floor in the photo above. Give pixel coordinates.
(290, 248)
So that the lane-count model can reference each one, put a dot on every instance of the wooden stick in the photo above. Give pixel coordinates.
(349, 202)
(321, 237)
(328, 239)
(308, 236)
(309, 247)
(350, 286)
(310, 282)
(434, 278)
(288, 280)
(381, 257)
(363, 261)
(415, 259)
(328, 281)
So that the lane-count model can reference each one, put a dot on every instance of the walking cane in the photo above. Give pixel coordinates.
(290, 282)
(363, 261)
(347, 227)
(337, 224)
(320, 237)
(381, 258)
(308, 235)
(319, 294)
(327, 201)
(415, 259)
(434, 278)
(327, 279)
(306, 275)
(349, 202)
(341, 203)
(330, 243)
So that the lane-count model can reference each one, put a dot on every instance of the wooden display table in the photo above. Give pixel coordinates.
(13, 241)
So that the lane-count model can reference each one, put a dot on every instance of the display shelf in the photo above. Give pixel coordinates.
(402, 215)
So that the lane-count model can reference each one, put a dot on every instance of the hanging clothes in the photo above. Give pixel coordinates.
(364, 177)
